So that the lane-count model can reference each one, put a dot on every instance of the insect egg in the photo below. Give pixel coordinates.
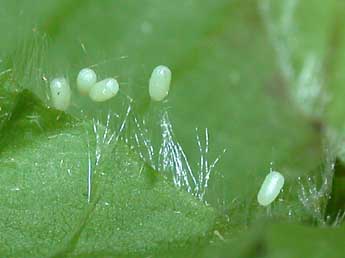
(61, 93)
(270, 188)
(104, 90)
(85, 80)
(159, 83)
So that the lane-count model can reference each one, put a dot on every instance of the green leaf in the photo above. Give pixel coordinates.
(213, 82)
(258, 74)
(44, 171)
(283, 240)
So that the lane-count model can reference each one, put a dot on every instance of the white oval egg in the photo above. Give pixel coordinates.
(159, 83)
(85, 80)
(104, 90)
(270, 188)
(61, 93)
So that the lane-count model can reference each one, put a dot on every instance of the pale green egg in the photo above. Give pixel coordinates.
(104, 90)
(159, 83)
(85, 80)
(60, 93)
(270, 188)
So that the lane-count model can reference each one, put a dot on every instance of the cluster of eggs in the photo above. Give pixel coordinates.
(100, 91)
(159, 85)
